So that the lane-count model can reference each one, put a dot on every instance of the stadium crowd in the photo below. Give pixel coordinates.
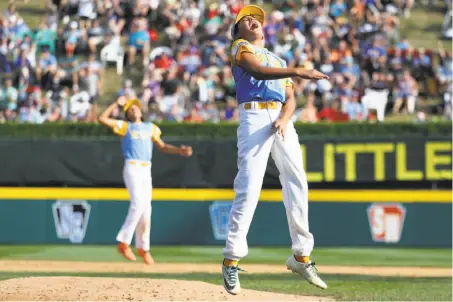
(176, 60)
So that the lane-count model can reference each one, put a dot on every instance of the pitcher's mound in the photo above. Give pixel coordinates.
(131, 289)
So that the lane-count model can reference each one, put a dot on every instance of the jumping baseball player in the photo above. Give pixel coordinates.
(137, 143)
(265, 94)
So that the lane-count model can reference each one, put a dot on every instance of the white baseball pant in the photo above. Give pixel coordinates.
(137, 177)
(256, 140)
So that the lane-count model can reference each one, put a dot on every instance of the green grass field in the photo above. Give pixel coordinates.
(341, 287)
(265, 255)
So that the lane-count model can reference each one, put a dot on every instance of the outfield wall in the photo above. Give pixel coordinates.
(198, 217)
(329, 162)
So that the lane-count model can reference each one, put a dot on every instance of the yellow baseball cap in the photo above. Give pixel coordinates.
(250, 10)
(130, 103)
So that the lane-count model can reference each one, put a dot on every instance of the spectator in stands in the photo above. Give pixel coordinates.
(194, 115)
(175, 114)
(55, 115)
(333, 113)
(309, 113)
(11, 15)
(230, 112)
(210, 113)
(272, 28)
(186, 76)
(46, 67)
(86, 13)
(404, 44)
(72, 37)
(164, 62)
(445, 78)
(69, 7)
(79, 104)
(155, 115)
(51, 19)
(377, 95)
(31, 114)
(420, 117)
(8, 96)
(46, 37)
(96, 36)
(139, 42)
(407, 91)
(353, 108)
(447, 101)
(190, 61)
(5, 47)
(337, 8)
(89, 81)
(152, 90)
(397, 62)
(69, 67)
(343, 90)
(93, 71)
(23, 62)
(128, 91)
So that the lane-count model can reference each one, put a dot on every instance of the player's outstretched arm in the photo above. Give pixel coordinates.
(105, 119)
(185, 151)
(250, 63)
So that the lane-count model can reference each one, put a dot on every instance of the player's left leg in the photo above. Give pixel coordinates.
(288, 158)
(143, 230)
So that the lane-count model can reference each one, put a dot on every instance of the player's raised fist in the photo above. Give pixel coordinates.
(186, 151)
(121, 101)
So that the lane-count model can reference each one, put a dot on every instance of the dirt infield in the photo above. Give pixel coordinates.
(121, 289)
(128, 267)
(139, 289)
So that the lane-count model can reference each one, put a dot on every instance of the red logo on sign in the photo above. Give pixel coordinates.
(386, 222)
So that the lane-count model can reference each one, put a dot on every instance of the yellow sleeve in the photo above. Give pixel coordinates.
(289, 82)
(238, 48)
(156, 133)
(120, 128)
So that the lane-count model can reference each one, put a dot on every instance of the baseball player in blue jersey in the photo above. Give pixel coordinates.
(265, 94)
(137, 140)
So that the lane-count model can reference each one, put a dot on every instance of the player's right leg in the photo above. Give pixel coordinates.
(254, 144)
(133, 180)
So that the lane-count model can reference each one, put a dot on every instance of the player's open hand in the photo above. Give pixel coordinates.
(186, 151)
(312, 74)
(280, 126)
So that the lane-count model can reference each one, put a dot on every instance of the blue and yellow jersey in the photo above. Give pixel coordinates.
(247, 87)
(137, 139)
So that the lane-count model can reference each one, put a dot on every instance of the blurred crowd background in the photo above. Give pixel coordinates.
(173, 56)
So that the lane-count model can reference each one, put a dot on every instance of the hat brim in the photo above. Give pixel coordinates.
(130, 103)
(251, 10)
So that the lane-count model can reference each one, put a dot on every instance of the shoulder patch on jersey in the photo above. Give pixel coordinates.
(238, 47)
(120, 127)
(156, 132)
